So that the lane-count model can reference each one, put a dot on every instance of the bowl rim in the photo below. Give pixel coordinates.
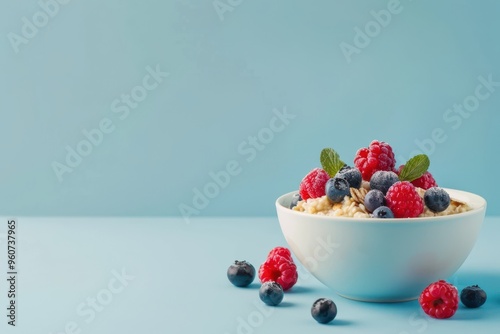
(480, 207)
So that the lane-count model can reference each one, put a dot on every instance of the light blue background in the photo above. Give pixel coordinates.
(226, 77)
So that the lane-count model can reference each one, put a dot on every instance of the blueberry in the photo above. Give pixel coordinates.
(271, 293)
(241, 273)
(473, 296)
(352, 175)
(373, 199)
(383, 212)
(436, 199)
(336, 189)
(324, 310)
(295, 199)
(383, 180)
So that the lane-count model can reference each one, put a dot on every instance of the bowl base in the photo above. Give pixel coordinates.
(391, 300)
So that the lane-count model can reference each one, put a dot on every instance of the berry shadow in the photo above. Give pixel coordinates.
(464, 313)
(340, 322)
(286, 304)
(495, 300)
(300, 289)
(253, 286)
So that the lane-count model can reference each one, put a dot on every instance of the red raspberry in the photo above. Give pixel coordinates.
(403, 200)
(313, 184)
(439, 300)
(426, 181)
(378, 156)
(279, 269)
(283, 251)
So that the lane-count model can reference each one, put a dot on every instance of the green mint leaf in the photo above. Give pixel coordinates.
(415, 168)
(330, 161)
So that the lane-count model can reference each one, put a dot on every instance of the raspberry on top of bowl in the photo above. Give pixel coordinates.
(373, 187)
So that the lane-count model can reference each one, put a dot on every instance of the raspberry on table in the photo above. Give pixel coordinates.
(439, 300)
(377, 156)
(279, 269)
(283, 251)
(313, 184)
(426, 181)
(403, 200)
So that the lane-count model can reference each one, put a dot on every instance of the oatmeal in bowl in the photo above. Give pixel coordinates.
(353, 206)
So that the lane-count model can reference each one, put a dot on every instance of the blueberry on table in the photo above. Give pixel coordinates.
(241, 273)
(324, 310)
(271, 293)
(473, 296)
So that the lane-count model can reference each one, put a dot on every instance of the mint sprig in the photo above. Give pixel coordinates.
(415, 168)
(330, 161)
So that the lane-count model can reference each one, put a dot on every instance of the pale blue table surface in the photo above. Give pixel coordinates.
(176, 281)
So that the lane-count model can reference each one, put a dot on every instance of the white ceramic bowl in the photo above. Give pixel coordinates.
(381, 260)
